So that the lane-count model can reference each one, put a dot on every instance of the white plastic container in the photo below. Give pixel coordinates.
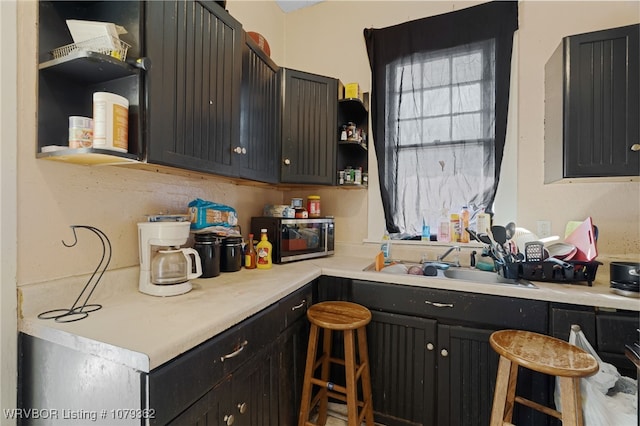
(80, 132)
(110, 121)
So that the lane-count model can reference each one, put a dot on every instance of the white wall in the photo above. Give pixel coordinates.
(8, 138)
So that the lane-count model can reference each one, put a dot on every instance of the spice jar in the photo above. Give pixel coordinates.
(313, 205)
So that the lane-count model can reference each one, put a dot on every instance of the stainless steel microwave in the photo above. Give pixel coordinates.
(296, 239)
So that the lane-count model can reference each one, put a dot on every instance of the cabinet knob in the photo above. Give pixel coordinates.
(242, 407)
(430, 346)
(237, 150)
(286, 161)
(244, 150)
(444, 352)
(635, 147)
(228, 419)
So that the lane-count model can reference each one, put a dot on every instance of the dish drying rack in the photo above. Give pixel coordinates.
(574, 272)
(107, 45)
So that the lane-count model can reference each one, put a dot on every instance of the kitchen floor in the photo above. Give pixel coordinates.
(338, 415)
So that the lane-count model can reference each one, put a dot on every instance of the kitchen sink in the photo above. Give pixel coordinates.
(456, 273)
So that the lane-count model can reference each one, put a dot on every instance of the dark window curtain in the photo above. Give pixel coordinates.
(495, 20)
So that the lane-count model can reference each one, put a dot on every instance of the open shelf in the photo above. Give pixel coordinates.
(89, 156)
(88, 67)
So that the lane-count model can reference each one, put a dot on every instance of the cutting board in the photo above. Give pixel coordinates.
(583, 238)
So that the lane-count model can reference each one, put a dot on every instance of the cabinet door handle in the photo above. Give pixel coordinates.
(242, 407)
(444, 353)
(228, 419)
(286, 161)
(237, 150)
(304, 302)
(635, 147)
(430, 346)
(439, 305)
(234, 353)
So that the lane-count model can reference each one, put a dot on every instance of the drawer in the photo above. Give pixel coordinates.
(295, 305)
(562, 318)
(615, 330)
(453, 306)
(182, 381)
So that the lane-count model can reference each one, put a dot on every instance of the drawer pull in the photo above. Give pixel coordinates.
(439, 305)
(234, 354)
(304, 302)
(444, 353)
(430, 346)
(242, 407)
(228, 419)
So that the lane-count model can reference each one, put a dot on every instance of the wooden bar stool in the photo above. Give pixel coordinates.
(346, 317)
(546, 355)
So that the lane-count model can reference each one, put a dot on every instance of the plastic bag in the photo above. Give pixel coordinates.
(607, 397)
(204, 214)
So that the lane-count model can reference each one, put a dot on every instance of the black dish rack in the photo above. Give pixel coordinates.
(575, 272)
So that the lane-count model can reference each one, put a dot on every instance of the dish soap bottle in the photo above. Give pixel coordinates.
(250, 257)
(264, 251)
(385, 247)
(426, 231)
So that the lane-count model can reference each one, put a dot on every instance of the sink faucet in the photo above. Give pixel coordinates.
(456, 262)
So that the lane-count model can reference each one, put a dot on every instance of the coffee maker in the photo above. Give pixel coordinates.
(165, 268)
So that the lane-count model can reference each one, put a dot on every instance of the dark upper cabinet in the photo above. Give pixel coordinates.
(258, 152)
(592, 106)
(309, 128)
(193, 86)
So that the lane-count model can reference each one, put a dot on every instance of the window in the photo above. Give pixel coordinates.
(440, 89)
(440, 123)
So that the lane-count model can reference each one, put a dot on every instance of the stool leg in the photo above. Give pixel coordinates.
(307, 387)
(366, 377)
(350, 372)
(504, 395)
(324, 376)
(570, 399)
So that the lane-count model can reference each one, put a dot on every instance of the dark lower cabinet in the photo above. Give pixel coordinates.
(606, 330)
(403, 368)
(431, 360)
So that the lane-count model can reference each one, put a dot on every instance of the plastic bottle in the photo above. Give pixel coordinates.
(455, 227)
(483, 222)
(464, 224)
(426, 231)
(250, 256)
(444, 228)
(264, 251)
(385, 247)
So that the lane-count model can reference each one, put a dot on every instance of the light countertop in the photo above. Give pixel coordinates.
(143, 332)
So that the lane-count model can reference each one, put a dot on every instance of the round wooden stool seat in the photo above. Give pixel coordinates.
(339, 315)
(544, 354)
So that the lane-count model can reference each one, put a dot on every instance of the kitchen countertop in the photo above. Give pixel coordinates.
(143, 332)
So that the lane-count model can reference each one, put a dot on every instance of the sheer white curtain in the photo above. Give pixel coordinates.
(440, 133)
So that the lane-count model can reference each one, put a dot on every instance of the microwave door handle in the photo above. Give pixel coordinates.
(326, 237)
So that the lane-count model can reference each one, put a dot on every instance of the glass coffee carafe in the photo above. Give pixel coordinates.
(174, 266)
